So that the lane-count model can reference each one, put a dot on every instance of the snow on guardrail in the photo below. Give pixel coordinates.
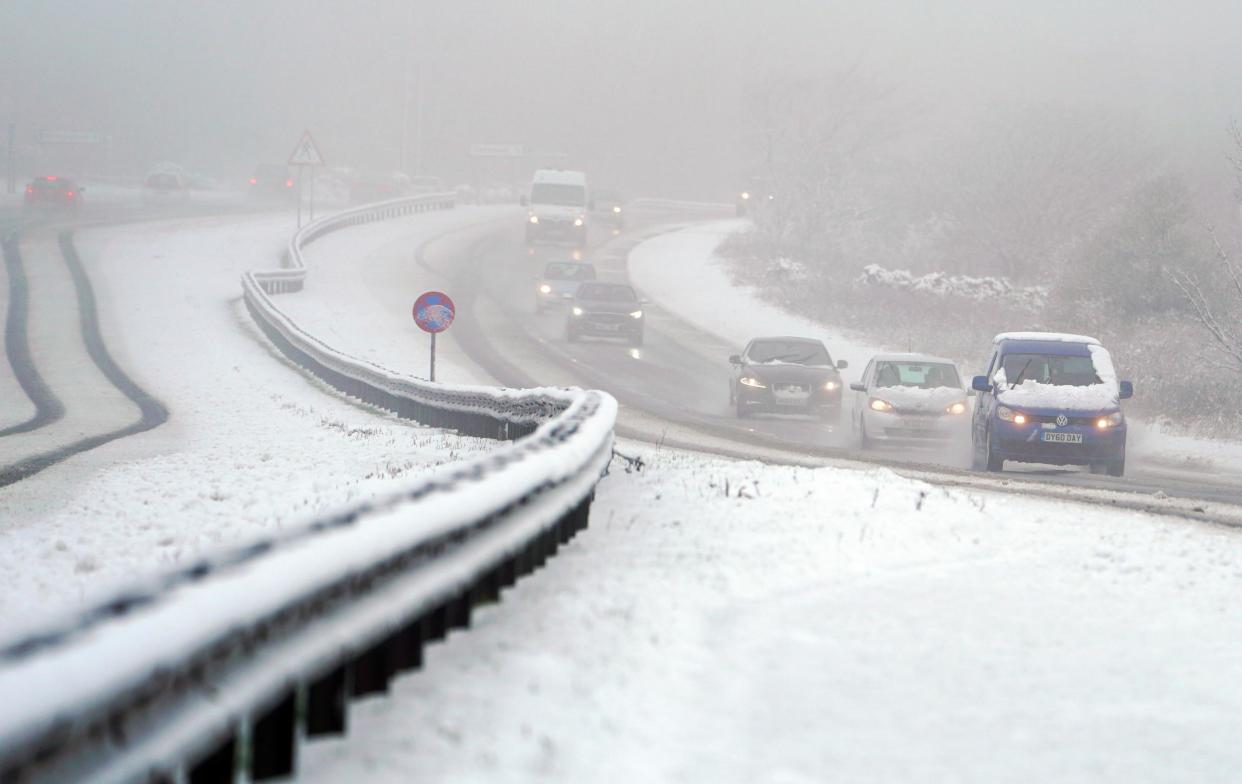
(217, 668)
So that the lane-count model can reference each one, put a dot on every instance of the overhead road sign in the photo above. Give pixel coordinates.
(306, 153)
(496, 151)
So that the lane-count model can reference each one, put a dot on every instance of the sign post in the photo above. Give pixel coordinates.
(306, 153)
(433, 313)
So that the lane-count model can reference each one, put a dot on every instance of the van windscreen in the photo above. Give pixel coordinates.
(560, 194)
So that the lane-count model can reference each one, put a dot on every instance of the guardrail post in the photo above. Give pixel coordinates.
(220, 766)
(459, 611)
(408, 646)
(369, 671)
(326, 704)
(273, 742)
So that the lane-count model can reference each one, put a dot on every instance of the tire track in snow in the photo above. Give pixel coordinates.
(152, 412)
(48, 407)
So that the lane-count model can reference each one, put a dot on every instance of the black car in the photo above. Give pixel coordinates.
(785, 375)
(53, 192)
(608, 208)
(609, 310)
(273, 181)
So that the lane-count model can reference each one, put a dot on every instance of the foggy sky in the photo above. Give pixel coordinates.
(647, 94)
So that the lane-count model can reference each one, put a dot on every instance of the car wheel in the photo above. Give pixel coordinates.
(732, 394)
(1117, 468)
(995, 463)
(864, 441)
(743, 412)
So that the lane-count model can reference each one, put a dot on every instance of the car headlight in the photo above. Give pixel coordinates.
(1112, 420)
(534, 219)
(577, 311)
(880, 405)
(1009, 415)
(831, 386)
(545, 288)
(956, 408)
(616, 209)
(636, 314)
(751, 381)
(578, 221)
(745, 196)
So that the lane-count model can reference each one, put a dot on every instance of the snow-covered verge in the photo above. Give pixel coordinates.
(965, 287)
(252, 445)
(730, 621)
(683, 271)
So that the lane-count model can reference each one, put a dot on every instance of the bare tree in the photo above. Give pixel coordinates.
(1216, 302)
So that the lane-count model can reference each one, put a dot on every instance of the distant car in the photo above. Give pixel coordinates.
(273, 181)
(424, 183)
(53, 192)
(559, 283)
(610, 310)
(786, 375)
(1050, 398)
(609, 208)
(380, 186)
(754, 198)
(910, 398)
(165, 187)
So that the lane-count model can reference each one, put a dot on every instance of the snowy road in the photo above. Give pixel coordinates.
(675, 388)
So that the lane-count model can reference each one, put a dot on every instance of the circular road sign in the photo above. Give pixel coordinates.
(434, 311)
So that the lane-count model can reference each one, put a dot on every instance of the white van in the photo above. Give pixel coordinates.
(557, 207)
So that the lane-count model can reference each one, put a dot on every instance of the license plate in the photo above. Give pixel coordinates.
(608, 327)
(1063, 438)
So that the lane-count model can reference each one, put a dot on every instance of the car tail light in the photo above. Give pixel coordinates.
(254, 180)
(288, 183)
(51, 178)
(68, 194)
(30, 189)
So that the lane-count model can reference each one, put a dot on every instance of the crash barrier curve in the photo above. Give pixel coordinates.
(218, 668)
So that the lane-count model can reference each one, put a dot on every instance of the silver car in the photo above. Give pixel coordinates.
(910, 398)
(559, 282)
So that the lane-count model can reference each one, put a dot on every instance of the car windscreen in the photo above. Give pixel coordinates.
(560, 194)
(58, 184)
(569, 271)
(921, 375)
(1052, 369)
(606, 197)
(163, 181)
(794, 352)
(272, 172)
(606, 292)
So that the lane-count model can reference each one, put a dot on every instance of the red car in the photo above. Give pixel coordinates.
(54, 192)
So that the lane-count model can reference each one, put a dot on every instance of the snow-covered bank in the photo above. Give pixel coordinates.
(251, 443)
(727, 621)
(682, 272)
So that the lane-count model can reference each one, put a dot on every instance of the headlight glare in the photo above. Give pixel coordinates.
(577, 221)
(577, 311)
(880, 405)
(636, 314)
(545, 288)
(956, 408)
(1112, 420)
(534, 219)
(831, 386)
(616, 209)
(751, 381)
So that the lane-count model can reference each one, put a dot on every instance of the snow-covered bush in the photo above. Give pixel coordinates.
(967, 287)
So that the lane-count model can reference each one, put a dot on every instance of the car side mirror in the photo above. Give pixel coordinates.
(1125, 391)
(734, 359)
(980, 384)
(842, 364)
(523, 201)
(858, 387)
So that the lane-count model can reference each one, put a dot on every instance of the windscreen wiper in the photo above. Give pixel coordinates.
(1021, 373)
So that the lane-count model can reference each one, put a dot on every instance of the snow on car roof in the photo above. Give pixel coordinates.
(1047, 337)
(926, 359)
(560, 176)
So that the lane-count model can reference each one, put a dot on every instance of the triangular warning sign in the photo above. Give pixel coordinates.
(306, 153)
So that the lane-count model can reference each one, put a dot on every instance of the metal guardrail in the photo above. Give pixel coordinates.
(217, 668)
